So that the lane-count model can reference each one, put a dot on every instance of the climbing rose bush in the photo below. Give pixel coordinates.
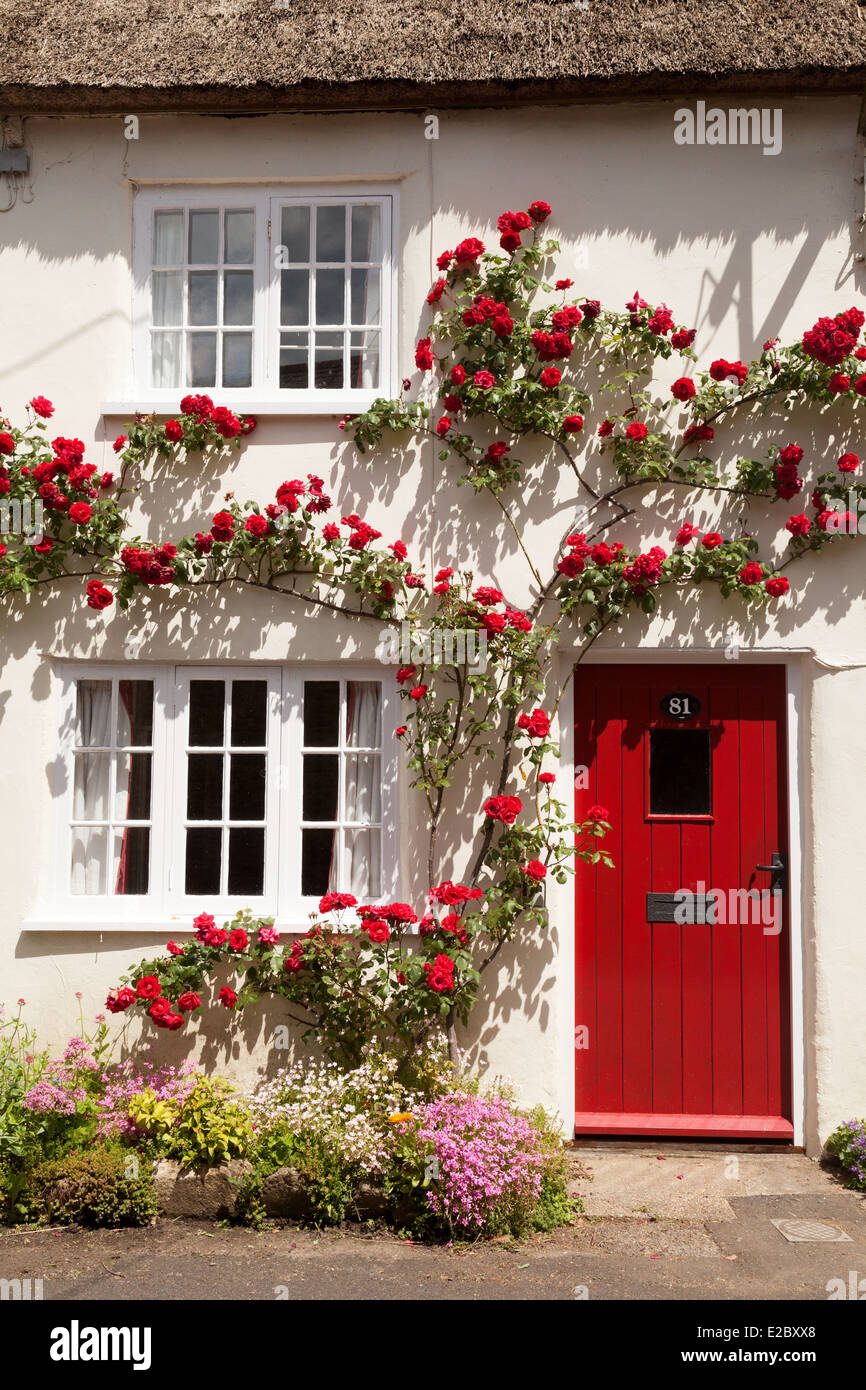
(508, 356)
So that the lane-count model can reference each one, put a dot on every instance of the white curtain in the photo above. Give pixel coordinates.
(362, 848)
(91, 782)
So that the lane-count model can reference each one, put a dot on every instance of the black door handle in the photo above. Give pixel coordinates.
(779, 870)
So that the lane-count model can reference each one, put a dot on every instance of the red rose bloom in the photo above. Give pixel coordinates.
(597, 813)
(440, 973)
(42, 407)
(548, 778)
(752, 573)
(119, 443)
(80, 513)
(711, 540)
(423, 355)
(537, 724)
(160, 1007)
(227, 997)
(605, 428)
(98, 597)
(256, 525)
(173, 430)
(503, 808)
(551, 377)
(860, 386)
(777, 586)
(683, 389)
(572, 423)
(535, 869)
(377, 930)
(539, 212)
(798, 525)
(468, 251)
(418, 692)
(335, 902)
(119, 1000)
(483, 380)
(223, 526)
(636, 430)
(848, 463)
(838, 383)
(189, 1001)
(238, 939)
(437, 292)
(687, 533)
(173, 948)
(148, 987)
(443, 426)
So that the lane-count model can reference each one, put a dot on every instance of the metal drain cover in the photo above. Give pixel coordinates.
(800, 1230)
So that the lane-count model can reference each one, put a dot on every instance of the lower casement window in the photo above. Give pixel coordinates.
(188, 789)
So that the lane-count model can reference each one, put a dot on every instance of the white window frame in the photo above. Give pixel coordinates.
(264, 397)
(166, 907)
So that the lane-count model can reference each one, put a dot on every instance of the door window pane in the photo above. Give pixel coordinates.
(680, 772)
(240, 236)
(330, 233)
(204, 237)
(168, 238)
(206, 713)
(321, 714)
(295, 236)
(366, 232)
(249, 714)
(203, 860)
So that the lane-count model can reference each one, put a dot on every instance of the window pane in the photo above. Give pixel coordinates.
(249, 713)
(362, 862)
(206, 713)
(364, 360)
(366, 232)
(165, 359)
(365, 296)
(132, 789)
(238, 297)
(364, 714)
(321, 786)
(93, 714)
(204, 238)
(317, 861)
(330, 296)
(237, 359)
(247, 787)
(295, 296)
(247, 863)
(321, 714)
(330, 233)
(203, 860)
(203, 296)
(329, 361)
(90, 786)
(89, 860)
(131, 861)
(135, 714)
(363, 788)
(204, 786)
(240, 232)
(680, 772)
(168, 238)
(167, 298)
(295, 234)
(294, 362)
(202, 358)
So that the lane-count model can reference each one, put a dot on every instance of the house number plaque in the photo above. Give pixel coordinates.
(680, 705)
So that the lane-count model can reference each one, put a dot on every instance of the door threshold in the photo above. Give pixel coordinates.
(656, 1123)
(600, 1144)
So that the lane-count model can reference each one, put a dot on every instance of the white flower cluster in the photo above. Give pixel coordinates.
(349, 1110)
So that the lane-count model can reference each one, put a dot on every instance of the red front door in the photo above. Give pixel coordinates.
(682, 1002)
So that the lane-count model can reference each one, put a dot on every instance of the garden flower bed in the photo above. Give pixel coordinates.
(90, 1141)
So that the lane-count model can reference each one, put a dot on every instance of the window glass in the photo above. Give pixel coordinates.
(680, 772)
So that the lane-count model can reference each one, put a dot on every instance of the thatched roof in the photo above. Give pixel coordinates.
(218, 55)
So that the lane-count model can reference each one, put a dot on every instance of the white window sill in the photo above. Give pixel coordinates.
(168, 928)
(170, 408)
